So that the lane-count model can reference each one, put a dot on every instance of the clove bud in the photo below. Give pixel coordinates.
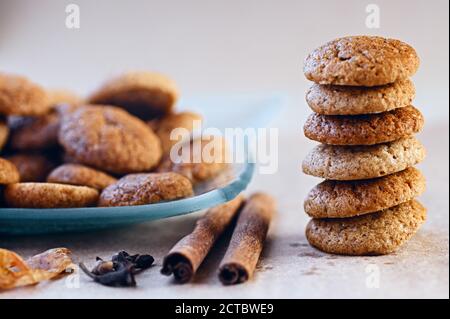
(120, 270)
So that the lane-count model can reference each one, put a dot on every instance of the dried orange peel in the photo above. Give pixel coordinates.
(16, 272)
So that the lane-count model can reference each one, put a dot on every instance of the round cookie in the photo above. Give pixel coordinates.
(38, 133)
(61, 96)
(364, 129)
(195, 167)
(165, 126)
(146, 95)
(19, 96)
(353, 100)
(4, 133)
(34, 133)
(363, 162)
(142, 189)
(8, 172)
(49, 195)
(372, 234)
(76, 174)
(110, 139)
(339, 199)
(361, 61)
(32, 167)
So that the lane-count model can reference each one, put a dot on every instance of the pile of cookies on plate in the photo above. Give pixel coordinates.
(364, 119)
(111, 149)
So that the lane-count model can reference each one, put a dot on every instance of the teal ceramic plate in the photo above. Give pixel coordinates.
(28, 221)
(221, 111)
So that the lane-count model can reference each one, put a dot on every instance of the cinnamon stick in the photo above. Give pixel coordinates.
(247, 240)
(186, 256)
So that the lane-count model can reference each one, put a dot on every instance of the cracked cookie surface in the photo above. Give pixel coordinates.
(364, 129)
(361, 61)
(363, 162)
(378, 233)
(110, 139)
(353, 100)
(338, 199)
(142, 189)
(49, 195)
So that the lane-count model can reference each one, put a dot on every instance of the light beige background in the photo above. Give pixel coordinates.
(242, 46)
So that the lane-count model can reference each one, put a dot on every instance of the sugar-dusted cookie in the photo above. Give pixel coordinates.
(164, 127)
(19, 96)
(110, 139)
(361, 61)
(32, 167)
(141, 189)
(378, 233)
(337, 199)
(363, 162)
(354, 100)
(364, 129)
(146, 95)
(8, 172)
(49, 195)
(76, 174)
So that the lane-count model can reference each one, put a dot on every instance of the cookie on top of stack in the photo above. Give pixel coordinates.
(365, 123)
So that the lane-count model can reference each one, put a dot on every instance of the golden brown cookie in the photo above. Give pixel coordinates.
(110, 139)
(146, 95)
(34, 133)
(194, 166)
(142, 189)
(38, 133)
(19, 96)
(337, 199)
(49, 195)
(364, 129)
(4, 133)
(32, 167)
(353, 100)
(361, 61)
(76, 174)
(164, 127)
(61, 96)
(8, 172)
(372, 234)
(363, 162)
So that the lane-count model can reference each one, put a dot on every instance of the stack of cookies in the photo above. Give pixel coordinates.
(111, 149)
(364, 119)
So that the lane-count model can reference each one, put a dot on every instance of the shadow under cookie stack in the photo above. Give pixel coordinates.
(365, 123)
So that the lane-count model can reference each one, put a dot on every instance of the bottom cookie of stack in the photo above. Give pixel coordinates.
(377, 233)
(365, 213)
